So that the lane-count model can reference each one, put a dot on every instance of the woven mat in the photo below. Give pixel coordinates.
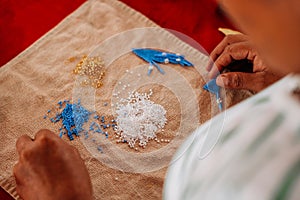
(41, 76)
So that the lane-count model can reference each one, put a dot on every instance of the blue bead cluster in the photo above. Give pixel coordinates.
(75, 116)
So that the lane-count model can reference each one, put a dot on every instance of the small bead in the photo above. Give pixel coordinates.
(178, 59)
(166, 61)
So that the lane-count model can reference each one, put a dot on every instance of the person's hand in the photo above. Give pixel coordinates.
(238, 47)
(49, 168)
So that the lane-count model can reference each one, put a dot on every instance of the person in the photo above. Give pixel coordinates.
(257, 153)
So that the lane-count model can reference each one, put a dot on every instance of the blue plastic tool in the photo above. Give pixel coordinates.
(212, 87)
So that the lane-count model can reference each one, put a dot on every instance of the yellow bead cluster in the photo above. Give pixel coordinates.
(93, 68)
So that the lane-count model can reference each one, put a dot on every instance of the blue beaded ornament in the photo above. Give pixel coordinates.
(154, 56)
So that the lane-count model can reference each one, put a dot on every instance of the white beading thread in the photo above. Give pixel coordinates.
(139, 119)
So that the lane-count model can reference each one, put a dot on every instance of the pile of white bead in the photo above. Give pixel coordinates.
(139, 119)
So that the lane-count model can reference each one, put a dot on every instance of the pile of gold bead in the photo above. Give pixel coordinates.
(93, 68)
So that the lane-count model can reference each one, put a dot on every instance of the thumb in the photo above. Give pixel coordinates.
(239, 80)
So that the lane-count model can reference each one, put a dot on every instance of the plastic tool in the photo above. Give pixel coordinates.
(213, 88)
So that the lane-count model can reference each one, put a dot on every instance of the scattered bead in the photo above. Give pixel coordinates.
(99, 149)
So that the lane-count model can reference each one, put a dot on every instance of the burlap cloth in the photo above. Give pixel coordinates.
(39, 77)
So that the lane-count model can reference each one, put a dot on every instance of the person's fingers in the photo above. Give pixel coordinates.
(228, 40)
(239, 80)
(45, 134)
(238, 51)
(22, 142)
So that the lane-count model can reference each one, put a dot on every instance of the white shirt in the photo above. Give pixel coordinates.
(249, 152)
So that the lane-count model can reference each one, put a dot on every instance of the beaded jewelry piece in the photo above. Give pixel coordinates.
(152, 56)
(93, 68)
(139, 119)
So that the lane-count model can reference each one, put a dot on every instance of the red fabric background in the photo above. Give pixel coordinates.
(23, 22)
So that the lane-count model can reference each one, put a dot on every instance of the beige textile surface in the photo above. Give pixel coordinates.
(39, 77)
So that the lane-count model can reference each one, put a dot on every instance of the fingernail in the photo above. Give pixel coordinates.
(222, 80)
